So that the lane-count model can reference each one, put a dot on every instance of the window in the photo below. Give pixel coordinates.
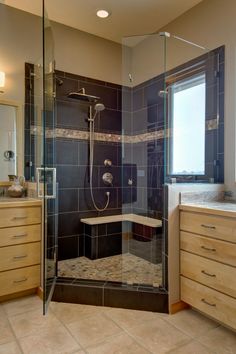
(187, 122)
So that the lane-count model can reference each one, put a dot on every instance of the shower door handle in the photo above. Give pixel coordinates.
(46, 171)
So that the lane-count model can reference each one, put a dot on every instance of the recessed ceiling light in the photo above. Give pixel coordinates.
(103, 13)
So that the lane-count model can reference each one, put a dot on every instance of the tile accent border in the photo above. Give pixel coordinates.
(105, 137)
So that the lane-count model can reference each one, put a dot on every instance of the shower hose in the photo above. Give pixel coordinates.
(91, 158)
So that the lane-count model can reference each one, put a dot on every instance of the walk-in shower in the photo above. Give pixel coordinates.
(112, 244)
(94, 110)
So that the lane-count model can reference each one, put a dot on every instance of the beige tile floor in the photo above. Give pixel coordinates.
(81, 329)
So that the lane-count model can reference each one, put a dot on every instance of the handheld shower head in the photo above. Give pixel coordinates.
(99, 107)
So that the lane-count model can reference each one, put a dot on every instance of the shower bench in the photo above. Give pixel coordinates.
(134, 218)
(109, 235)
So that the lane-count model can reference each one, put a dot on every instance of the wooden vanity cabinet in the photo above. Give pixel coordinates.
(208, 264)
(20, 247)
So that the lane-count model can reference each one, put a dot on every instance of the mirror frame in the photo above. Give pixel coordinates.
(19, 138)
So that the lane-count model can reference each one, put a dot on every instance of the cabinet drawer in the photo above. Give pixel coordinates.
(13, 257)
(209, 225)
(20, 234)
(20, 216)
(208, 247)
(213, 274)
(209, 301)
(17, 280)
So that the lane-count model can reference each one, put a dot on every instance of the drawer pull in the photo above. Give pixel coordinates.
(19, 236)
(208, 226)
(208, 249)
(19, 257)
(208, 303)
(20, 280)
(19, 217)
(209, 275)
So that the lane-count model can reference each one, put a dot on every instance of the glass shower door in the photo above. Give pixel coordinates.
(143, 243)
(47, 174)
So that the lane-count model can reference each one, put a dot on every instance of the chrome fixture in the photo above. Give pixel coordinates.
(168, 35)
(162, 93)
(107, 178)
(131, 78)
(94, 109)
(130, 182)
(164, 34)
(59, 81)
(9, 155)
(98, 108)
(82, 96)
(107, 162)
(41, 173)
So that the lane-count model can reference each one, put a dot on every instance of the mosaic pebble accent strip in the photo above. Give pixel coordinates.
(115, 138)
(125, 268)
(212, 124)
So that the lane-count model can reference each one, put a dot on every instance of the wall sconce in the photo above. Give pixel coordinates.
(2, 81)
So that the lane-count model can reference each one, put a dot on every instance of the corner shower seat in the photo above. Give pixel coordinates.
(143, 220)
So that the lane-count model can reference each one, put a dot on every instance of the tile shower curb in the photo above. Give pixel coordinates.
(111, 294)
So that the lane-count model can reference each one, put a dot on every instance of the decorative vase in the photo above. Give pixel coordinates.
(16, 190)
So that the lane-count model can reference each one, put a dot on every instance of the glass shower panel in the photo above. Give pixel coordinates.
(47, 173)
(143, 243)
(194, 133)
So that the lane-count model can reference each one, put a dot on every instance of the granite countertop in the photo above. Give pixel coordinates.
(6, 202)
(224, 208)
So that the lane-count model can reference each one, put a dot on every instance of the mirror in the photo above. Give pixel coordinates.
(11, 140)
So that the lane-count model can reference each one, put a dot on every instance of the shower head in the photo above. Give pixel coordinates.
(82, 96)
(99, 107)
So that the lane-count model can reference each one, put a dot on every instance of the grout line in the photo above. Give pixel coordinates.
(91, 315)
(184, 332)
(126, 331)
(67, 329)
(12, 330)
(210, 330)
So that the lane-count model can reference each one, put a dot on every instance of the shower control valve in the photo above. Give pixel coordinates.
(107, 162)
(107, 178)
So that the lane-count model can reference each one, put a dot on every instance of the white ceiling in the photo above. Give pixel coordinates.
(128, 18)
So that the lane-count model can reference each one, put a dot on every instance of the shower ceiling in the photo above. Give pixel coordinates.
(128, 17)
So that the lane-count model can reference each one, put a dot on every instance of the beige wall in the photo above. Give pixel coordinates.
(210, 24)
(20, 42)
(75, 51)
(87, 55)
